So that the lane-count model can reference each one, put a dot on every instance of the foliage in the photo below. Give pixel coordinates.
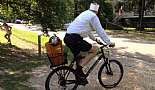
(55, 12)
(133, 5)
(105, 10)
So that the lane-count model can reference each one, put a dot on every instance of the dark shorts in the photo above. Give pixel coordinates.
(76, 43)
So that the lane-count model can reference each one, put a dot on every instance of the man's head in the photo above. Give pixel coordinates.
(94, 7)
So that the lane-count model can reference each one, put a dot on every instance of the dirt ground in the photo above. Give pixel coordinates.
(135, 52)
(137, 56)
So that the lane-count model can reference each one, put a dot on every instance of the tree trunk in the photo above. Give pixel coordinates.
(87, 4)
(75, 8)
(140, 26)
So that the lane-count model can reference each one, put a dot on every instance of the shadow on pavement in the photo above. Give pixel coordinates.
(139, 70)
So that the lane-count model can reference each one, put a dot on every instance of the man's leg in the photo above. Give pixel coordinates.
(6, 36)
(9, 38)
(91, 53)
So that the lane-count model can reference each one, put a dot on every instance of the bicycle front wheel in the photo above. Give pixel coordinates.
(110, 74)
(61, 78)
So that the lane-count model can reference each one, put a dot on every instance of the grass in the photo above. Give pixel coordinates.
(16, 62)
(2, 33)
(150, 29)
(132, 34)
(134, 29)
(31, 37)
(24, 35)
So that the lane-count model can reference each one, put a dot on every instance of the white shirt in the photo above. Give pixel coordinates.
(85, 23)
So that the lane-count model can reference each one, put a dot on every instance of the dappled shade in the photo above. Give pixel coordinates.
(16, 65)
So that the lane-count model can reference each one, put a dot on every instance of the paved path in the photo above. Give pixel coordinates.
(137, 57)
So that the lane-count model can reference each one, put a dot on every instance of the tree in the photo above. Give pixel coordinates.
(57, 12)
(105, 10)
(140, 25)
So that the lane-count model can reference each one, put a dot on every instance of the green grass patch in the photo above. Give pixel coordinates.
(134, 29)
(28, 36)
(150, 29)
(2, 39)
(132, 34)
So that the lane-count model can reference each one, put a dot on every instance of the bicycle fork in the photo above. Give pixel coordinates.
(108, 67)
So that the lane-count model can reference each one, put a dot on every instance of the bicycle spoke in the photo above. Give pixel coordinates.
(59, 73)
(62, 78)
(70, 81)
(67, 74)
(75, 87)
(110, 75)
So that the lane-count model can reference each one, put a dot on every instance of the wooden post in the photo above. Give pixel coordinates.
(39, 43)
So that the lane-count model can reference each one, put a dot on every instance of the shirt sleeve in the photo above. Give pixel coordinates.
(100, 31)
(91, 36)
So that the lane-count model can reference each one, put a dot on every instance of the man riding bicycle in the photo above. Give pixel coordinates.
(82, 27)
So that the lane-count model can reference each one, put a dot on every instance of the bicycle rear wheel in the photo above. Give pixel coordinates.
(61, 78)
(110, 75)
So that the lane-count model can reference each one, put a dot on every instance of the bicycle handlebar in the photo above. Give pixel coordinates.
(104, 45)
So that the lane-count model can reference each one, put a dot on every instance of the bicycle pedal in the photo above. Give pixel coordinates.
(82, 82)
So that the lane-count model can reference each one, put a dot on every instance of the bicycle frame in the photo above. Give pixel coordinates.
(63, 72)
(106, 61)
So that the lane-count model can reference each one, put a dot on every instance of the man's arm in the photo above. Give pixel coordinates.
(100, 31)
(91, 36)
(10, 27)
(3, 27)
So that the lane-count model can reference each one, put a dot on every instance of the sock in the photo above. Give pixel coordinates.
(80, 71)
(79, 67)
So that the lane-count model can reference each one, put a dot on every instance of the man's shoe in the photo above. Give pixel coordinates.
(79, 72)
(82, 82)
(81, 77)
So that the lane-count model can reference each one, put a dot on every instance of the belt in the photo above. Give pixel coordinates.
(72, 33)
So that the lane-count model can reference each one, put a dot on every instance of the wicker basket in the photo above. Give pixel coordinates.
(55, 54)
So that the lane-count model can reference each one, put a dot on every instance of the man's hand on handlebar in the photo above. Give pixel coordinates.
(112, 45)
(99, 42)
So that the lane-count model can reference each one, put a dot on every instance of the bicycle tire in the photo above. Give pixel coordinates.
(102, 79)
(61, 72)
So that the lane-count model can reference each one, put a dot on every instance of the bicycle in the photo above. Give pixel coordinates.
(66, 77)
